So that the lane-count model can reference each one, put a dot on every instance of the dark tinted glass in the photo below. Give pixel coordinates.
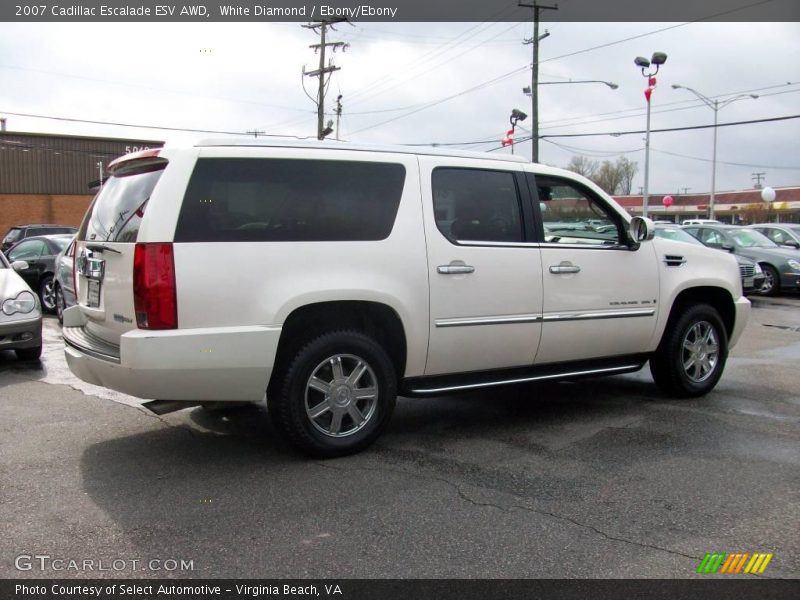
(12, 236)
(243, 200)
(118, 208)
(477, 205)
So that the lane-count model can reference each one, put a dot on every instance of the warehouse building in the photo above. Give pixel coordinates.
(46, 178)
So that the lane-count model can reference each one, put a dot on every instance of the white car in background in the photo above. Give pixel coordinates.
(20, 313)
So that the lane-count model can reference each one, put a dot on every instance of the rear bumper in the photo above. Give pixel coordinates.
(742, 314)
(210, 364)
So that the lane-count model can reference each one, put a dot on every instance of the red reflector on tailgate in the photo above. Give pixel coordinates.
(154, 296)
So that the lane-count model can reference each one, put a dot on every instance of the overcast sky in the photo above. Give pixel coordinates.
(238, 77)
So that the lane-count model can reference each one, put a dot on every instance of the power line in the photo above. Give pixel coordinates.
(157, 127)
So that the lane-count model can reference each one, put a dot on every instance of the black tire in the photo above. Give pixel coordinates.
(47, 294)
(668, 363)
(772, 281)
(29, 353)
(60, 304)
(294, 400)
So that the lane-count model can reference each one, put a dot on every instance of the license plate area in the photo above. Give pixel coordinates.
(93, 293)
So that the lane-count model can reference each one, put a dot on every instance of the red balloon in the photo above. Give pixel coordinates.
(667, 201)
(647, 93)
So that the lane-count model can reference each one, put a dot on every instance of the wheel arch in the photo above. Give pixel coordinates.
(717, 297)
(379, 321)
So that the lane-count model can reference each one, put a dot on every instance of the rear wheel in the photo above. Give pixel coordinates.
(47, 293)
(336, 395)
(691, 356)
(772, 282)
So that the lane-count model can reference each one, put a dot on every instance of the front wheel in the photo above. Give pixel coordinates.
(691, 356)
(60, 304)
(772, 281)
(336, 396)
(47, 293)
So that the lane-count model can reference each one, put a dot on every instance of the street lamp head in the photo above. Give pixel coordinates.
(642, 62)
(675, 86)
(526, 89)
(612, 85)
(754, 96)
(659, 58)
(518, 115)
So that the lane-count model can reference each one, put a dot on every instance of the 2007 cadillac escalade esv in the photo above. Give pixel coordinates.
(329, 278)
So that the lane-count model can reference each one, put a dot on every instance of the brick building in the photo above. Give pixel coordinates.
(745, 206)
(46, 178)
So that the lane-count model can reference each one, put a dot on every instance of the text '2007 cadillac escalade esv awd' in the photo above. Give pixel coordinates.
(329, 278)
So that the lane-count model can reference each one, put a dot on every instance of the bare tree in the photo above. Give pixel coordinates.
(614, 177)
(583, 165)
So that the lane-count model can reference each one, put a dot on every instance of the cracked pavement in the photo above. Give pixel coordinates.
(599, 478)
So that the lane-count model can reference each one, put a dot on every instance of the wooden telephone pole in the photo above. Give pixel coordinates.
(534, 41)
(323, 70)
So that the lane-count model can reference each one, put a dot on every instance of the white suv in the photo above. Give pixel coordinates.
(329, 278)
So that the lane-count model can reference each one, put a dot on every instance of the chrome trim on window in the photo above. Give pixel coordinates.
(500, 320)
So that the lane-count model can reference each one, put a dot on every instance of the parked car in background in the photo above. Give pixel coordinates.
(20, 232)
(701, 222)
(751, 272)
(20, 314)
(39, 254)
(781, 265)
(783, 234)
(64, 280)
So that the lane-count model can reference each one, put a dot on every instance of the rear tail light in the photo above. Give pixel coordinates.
(154, 295)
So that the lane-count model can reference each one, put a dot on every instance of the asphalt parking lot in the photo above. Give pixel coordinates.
(600, 478)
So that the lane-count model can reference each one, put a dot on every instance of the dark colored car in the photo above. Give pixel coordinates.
(750, 270)
(783, 234)
(40, 255)
(20, 232)
(781, 265)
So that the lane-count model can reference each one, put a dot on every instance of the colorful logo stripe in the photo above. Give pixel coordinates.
(734, 563)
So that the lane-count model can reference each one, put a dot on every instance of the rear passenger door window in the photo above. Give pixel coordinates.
(272, 200)
(474, 205)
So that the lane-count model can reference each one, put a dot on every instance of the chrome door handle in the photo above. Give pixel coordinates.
(565, 267)
(454, 269)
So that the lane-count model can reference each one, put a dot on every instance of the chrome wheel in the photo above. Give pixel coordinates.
(700, 351)
(769, 282)
(341, 395)
(59, 304)
(49, 294)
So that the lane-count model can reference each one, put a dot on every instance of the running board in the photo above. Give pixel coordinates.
(444, 384)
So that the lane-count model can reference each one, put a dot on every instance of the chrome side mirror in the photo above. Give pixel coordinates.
(20, 265)
(642, 229)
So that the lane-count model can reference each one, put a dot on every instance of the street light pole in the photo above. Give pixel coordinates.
(658, 59)
(714, 105)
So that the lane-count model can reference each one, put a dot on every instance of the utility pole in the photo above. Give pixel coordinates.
(256, 132)
(534, 41)
(758, 178)
(338, 114)
(323, 70)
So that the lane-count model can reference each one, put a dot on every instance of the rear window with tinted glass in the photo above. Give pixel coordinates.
(117, 210)
(247, 199)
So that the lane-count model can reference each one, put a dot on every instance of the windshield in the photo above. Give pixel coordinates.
(747, 238)
(679, 235)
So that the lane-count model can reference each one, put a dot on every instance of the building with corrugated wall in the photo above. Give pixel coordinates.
(46, 178)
